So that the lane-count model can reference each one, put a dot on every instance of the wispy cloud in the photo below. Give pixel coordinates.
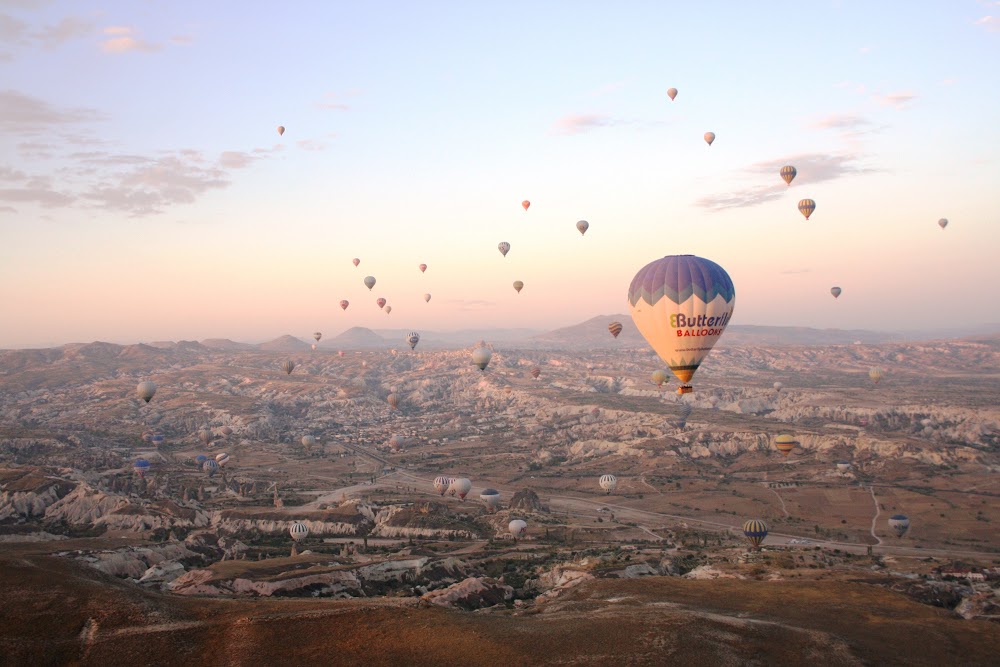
(311, 144)
(842, 121)
(236, 159)
(122, 39)
(741, 198)
(577, 123)
(991, 23)
(23, 113)
(182, 40)
(896, 100)
(67, 29)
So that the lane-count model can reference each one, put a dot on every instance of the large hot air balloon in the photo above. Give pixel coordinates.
(281, 130)
(876, 373)
(491, 498)
(778, 386)
(535, 372)
(317, 336)
(658, 377)
(504, 248)
(413, 338)
(355, 261)
(525, 204)
(671, 93)
(518, 286)
(806, 207)
(210, 467)
(615, 328)
(899, 523)
(942, 223)
(462, 487)
(441, 484)
(146, 390)
(369, 282)
(517, 528)
(422, 267)
(608, 482)
(427, 298)
(205, 435)
(309, 441)
(684, 413)
(222, 459)
(381, 302)
(288, 366)
(582, 226)
(393, 401)
(481, 357)
(835, 291)
(299, 531)
(788, 173)
(141, 467)
(785, 443)
(755, 531)
(709, 138)
(344, 303)
(681, 304)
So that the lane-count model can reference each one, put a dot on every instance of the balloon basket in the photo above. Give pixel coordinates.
(684, 389)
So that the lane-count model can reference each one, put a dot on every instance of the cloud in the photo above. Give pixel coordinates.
(236, 159)
(577, 123)
(896, 100)
(117, 30)
(11, 174)
(741, 198)
(182, 40)
(67, 29)
(8, 209)
(991, 23)
(12, 31)
(23, 113)
(310, 145)
(36, 194)
(122, 39)
(842, 121)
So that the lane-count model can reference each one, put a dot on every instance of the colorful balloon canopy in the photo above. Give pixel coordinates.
(503, 247)
(778, 386)
(298, 531)
(582, 226)
(785, 443)
(835, 291)
(413, 338)
(491, 498)
(355, 261)
(788, 174)
(709, 138)
(381, 302)
(681, 305)
(525, 204)
(806, 207)
(205, 435)
(392, 400)
(317, 336)
(281, 130)
(441, 484)
(535, 372)
(369, 282)
(672, 93)
(422, 267)
(141, 467)
(615, 328)
(308, 441)
(210, 467)
(518, 286)
(755, 531)
(876, 374)
(344, 303)
(222, 459)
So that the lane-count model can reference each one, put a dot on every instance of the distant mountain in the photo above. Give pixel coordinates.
(462, 338)
(225, 344)
(361, 337)
(592, 333)
(284, 343)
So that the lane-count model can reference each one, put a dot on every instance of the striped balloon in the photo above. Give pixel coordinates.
(413, 338)
(785, 443)
(755, 531)
(615, 328)
(503, 247)
(806, 207)
(535, 372)
(876, 373)
(788, 173)
(298, 531)
(288, 366)
(222, 459)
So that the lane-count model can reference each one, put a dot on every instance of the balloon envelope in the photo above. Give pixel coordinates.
(942, 223)
(317, 336)
(709, 138)
(806, 207)
(876, 373)
(535, 372)
(381, 302)
(355, 261)
(298, 531)
(658, 377)
(503, 247)
(344, 303)
(835, 291)
(517, 528)
(788, 173)
(608, 482)
(899, 523)
(671, 93)
(785, 443)
(423, 267)
(481, 357)
(146, 390)
(413, 339)
(525, 204)
(518, 286)
(281, 130)
(369, 282)
(582, 226)
(427, 298)
(615, 328)
(681, 305)
(755, 531)
(288, 366)
(462, 487)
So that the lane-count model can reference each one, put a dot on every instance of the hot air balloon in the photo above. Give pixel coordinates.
(778, 386)
(393, 401)
(525, 204)
(785, 443)
(899, 523)
(413, 339)
(299, 531)
(146, 390)
(658, 377)
(344, 303)
(507, 389)
(205, 435)
(535, 372)
(481, 357)
(441, 484)
(396, 442)
(843, 466)
(462, 487)
(876, 373)
(355, 261)
(788, 173)
(158, 439)
(615, 328)
(685, 412)
(518, 286)
(681, 304)
(755, 531)
(222, 459)
(200, 459)
(381, 302)
(709, 138)
(141, 467)
(422, 267)
(491, 498)
(806, 207)
(317, 336)
(226, 431)
(835, 291)
(308, 441)
(608, 482)
(369, 282)
(288, 366)
(517, 528)
(504, 248)
(313, 346)
(147, 437)
(714, 401)
(387, 309)
(582, 226)
(210, 467)
(671, 93)
(427, 298)
(942, 223)
(281, 130)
